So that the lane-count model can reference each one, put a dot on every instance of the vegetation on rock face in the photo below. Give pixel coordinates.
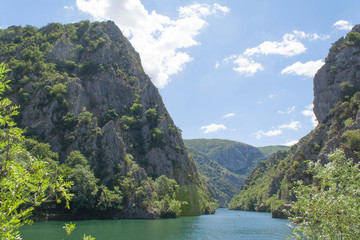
(90, 111)
(274, 183)
(269, 186)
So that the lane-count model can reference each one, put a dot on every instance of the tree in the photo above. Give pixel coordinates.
(25, 181)
(167, 189)
(329, 208)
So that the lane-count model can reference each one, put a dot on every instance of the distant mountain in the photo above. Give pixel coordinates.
(267, 151)
(225, 164)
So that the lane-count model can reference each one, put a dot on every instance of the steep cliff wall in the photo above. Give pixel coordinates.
(82, 87)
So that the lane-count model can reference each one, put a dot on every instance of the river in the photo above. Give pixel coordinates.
(223, 225)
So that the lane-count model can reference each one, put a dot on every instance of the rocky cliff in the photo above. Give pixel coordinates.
(81, 87)
(336, 106)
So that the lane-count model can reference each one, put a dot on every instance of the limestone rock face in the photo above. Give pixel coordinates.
(109, 109)
(340, 70)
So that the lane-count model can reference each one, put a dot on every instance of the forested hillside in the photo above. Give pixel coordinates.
(225, 164)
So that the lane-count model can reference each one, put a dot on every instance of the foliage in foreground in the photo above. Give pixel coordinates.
(330, 208)
(25, 181)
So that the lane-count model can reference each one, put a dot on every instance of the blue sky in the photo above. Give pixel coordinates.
(239, 70)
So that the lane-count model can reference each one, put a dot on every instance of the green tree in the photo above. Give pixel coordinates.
(167, 189)
(152, 117)
(84, 188)
(76, 158)
(329, 208)
(25, 181)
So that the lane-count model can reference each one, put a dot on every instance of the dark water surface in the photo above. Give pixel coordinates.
(224, 225)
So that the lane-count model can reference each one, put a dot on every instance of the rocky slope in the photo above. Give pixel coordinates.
(225, 164)
(235, 156)
(81, 87)
(336, 106)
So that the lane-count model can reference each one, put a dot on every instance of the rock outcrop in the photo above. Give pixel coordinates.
(86, 90)
(337, 77)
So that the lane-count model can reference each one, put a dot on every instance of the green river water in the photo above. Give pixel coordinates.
(223, 225)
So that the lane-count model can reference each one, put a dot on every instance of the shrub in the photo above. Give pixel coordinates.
(353, 39)
(84, 117)
(88, 68)
(329, 208)
(353, 139)
(58, 90)
(152, 117)
(157, 137)
(136, 109)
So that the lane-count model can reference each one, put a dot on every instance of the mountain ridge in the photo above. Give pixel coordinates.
(211, 157)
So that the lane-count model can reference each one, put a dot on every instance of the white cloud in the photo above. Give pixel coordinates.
(290, 143)
(269, 133)
(223, 9)
(213, 128)
(244, 65)
(271, 95)
(69, 7)
(289, 46)
(343, 25)
(161, 41)
(308, 112)
(229, 115)
(217, 64)
(293, 125)
(288, 111)
(307, 69)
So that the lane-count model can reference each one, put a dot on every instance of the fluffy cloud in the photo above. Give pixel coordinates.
(269, 133)
(244, 65)
(293, 125)
(290, 143)
(289, 46)
(213, 128)
(308, 112)
(288, 111)
(159, 40)
(343, 25)
(307, 69)
(229, 115)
